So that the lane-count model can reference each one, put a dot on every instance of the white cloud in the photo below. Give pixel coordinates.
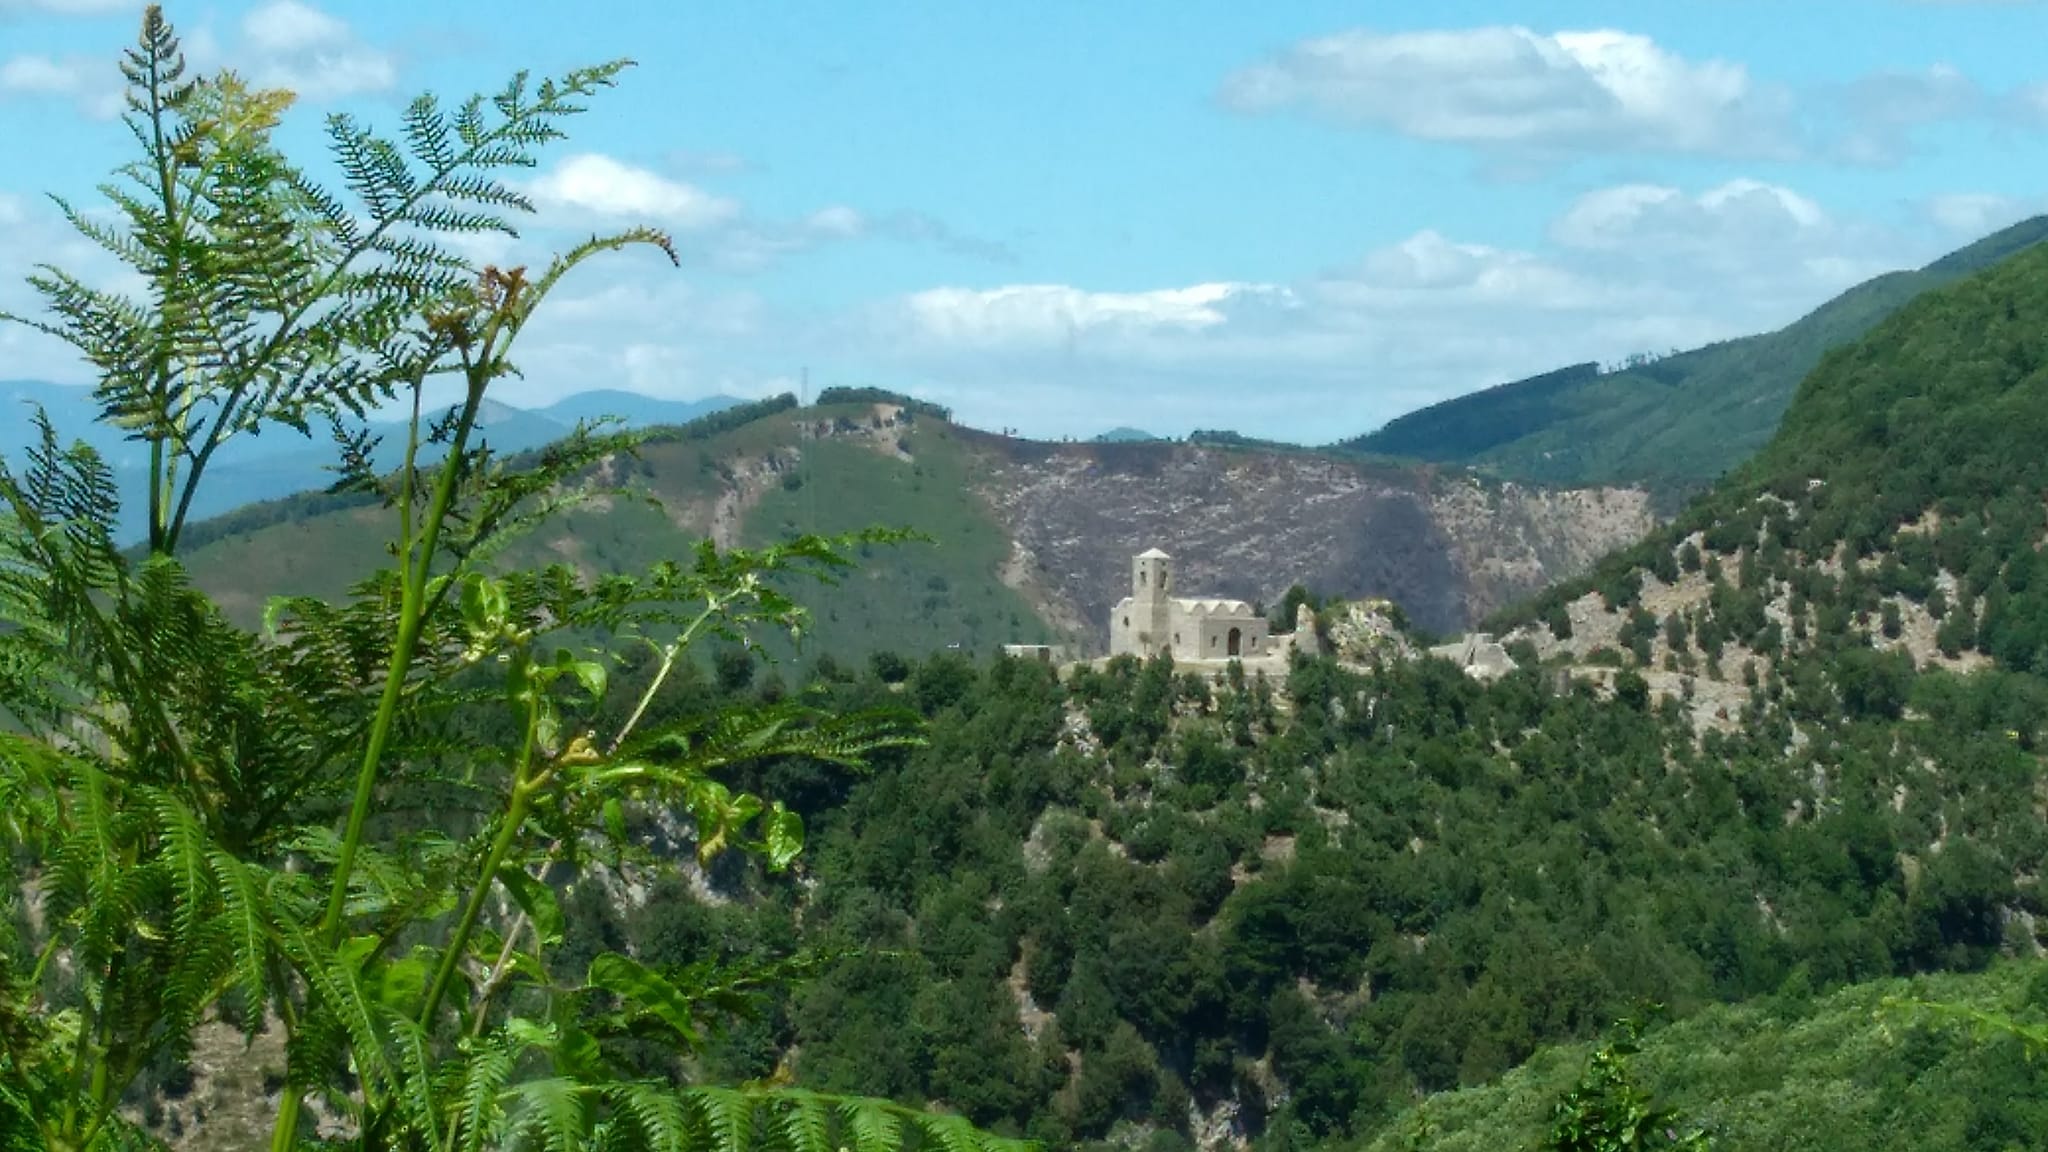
(69, 7)
(290, 44)
(838, 221)
(1039, 314)
(1510, 86)
(40, 74)
(284, 44)
(1971, 215)
(1631, 268)
(93, 84)
(1882, 110)
(1430, 266)
(1747, 214)
(599, 185)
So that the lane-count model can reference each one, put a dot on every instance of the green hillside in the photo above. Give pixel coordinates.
(1778, 762)
(1673, 423)
(1844, 1071)
(914, 597)
(1912, 460)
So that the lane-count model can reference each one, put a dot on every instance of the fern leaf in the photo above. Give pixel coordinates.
(804, 1121)
(551, 1114)
(485, 1072)
(874, 1126)
(948, 1133)
(725, 1117)
(247, 915)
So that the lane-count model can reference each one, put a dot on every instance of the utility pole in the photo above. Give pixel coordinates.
(806, 475)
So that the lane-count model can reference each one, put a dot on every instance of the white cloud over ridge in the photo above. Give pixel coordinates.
(1624, 268)
(1029, 315)
(1628, 268)
(1971, 215)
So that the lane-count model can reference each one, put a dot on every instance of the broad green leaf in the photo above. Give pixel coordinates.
(589, 673)
(647, 991)
(783, 834)
(535, 899)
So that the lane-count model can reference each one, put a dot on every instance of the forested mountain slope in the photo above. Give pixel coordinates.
(1784, 748)
(1895, 522)
(1787, 747)
(1030, 541)
(1671, 423)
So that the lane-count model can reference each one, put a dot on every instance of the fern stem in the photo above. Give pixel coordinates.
(412, 617)
(167, 185)
(500, 968)
(419, 564)
(523, 787)
(668, 664)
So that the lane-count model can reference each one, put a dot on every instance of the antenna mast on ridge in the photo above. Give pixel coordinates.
(806, 475)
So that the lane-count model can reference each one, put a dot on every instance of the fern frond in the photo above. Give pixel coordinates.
(805, 1122)
(874, 1126)
(551, 1114)
(338, 984)
(661, 1122)
(724, 1117)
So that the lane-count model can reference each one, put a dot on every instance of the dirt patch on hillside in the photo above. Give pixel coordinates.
(1248, 524)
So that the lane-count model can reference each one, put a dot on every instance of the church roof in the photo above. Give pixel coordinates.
(1214, 606)
(1153, 554)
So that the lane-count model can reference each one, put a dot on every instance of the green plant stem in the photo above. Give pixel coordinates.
(418, 564)
(661, 674)
(159, 481)
(523, 788)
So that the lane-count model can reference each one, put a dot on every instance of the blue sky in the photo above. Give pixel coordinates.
(1295, 220)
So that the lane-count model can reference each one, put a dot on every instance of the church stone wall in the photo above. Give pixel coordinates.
(1151, 619)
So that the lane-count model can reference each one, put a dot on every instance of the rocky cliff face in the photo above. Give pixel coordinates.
(1248, 524)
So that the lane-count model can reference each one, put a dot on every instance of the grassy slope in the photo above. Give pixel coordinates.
(1840, 1072)
(913, 597)
(1679, 422)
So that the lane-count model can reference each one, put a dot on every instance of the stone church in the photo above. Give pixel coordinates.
(1152, 620)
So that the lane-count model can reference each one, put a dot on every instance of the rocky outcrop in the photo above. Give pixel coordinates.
(1479, 655)
(1249, 523)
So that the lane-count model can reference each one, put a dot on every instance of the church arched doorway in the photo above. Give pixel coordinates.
(1235, 640)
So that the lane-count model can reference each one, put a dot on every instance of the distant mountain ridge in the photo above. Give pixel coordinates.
(1033, 538)
(280, 463)
(1676, 422)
